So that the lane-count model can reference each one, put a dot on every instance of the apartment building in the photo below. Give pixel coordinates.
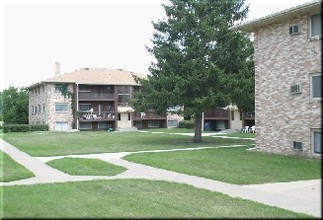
(89, 99)
(288, 74)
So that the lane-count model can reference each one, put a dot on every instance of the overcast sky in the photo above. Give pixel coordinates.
(85, 33)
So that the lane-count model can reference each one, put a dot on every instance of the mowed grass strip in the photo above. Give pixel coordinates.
(129, 199)
(233, 165)
(87, 142)
(84, 166)
(10, 170)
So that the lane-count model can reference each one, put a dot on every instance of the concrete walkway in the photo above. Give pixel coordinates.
(300, 196)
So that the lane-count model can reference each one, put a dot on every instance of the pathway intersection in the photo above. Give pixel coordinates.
(299, 196)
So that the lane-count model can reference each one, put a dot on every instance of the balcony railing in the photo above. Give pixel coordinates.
(95, 96)
(147, 115)
(219, 113)
(96, 116)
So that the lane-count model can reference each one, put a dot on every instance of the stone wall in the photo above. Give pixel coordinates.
(44, 95)
(282, 60)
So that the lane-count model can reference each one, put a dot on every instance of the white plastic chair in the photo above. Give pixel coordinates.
(246, 129)
(253, 129)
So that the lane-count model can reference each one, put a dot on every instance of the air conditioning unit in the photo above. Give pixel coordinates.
(297, 145)
(294, 29)
(296, 89)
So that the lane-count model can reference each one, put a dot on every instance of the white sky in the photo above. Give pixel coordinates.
(84, 33)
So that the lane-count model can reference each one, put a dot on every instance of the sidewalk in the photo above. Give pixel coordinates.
(300, 196)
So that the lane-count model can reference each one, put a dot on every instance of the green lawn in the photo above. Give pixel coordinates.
(129, 199)
(233, 165)
(66, 143)
(10, 170)
(83, 166)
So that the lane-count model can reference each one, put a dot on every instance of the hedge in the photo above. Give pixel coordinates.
(23, 128)
(186, 124)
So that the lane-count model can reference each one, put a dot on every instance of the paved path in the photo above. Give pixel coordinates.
(300, 196)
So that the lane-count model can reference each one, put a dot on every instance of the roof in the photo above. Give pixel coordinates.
(306, 8)
(96, 76)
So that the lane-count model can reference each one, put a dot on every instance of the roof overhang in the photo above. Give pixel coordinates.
(307, 8)
(125, 109)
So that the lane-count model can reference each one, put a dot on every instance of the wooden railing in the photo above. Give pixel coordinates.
(219, 113)
(147, 115)
(96, 116)
(95, 96)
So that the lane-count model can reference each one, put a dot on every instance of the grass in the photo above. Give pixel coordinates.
(66, 143)
(10, 170)
(82, 166)
(241, 135)
(233, 165)
(129, 199)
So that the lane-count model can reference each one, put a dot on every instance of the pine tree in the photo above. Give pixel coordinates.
(200, 63)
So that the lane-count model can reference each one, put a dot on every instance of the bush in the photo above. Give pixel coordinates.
(23, 128)
(38, 127)
(186, 124)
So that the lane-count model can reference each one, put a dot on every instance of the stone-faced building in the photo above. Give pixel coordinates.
(97, 99)
(89, 99)
(288, 74)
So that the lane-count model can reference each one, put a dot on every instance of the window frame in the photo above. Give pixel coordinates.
(311, 86)
(62, 104)
(313, 139)
(310, 26)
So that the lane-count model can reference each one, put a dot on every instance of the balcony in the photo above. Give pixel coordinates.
(217, 114)
(97, 116)
(248, 116)
(149, 115)
(95, 96)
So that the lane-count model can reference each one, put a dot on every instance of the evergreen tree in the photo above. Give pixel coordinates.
(201, 64)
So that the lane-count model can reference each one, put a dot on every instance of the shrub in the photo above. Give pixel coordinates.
(38, 127)
(23, 128)
(186, 124)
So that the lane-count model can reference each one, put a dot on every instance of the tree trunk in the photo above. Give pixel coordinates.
(198, 128)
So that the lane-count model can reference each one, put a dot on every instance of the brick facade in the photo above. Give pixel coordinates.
(42, 101)
(282, 60)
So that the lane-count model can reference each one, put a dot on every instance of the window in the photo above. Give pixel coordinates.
(102, 125)
(119, 117)
(153, 124)
(39, 108)
(36, 109)
(172, 123)
(85, 125)
(43, 107)
(61, 107)
(61, 126)
(232, 115)
(129, 117)
(123, 95)
(316, 22)
(240, 115)
(316, 141)
(316, 85)
(85, 107)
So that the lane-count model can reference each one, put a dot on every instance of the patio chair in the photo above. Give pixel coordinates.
(245, 129)
(253, 129)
